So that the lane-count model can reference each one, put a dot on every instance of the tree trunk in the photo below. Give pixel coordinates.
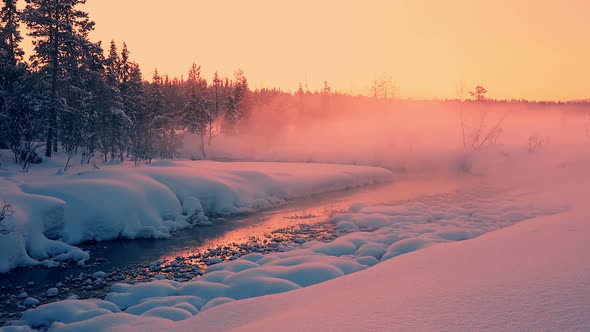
(49, 146)
(203, 154)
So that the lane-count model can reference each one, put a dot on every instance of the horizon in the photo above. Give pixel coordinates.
(428, 50)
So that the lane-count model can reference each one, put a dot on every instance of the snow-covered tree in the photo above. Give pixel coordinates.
(19, 123)
(10, 56)
(134, 102)
(216, 96)
(235, 107)
(197, 115)
(60, 37)
(134, 106)
(112, 123)
(174, 101)
(157, 119)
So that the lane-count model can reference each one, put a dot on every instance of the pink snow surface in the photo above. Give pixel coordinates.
(532, 276)
(152, 201)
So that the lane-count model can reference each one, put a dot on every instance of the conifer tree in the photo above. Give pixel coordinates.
(19, 123)
(235, 106)
(134, 101)
(197, 112)
(156, 116)
(60, 38)
(111, 131)
(10, 58)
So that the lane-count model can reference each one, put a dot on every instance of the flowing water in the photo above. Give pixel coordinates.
(188, 253)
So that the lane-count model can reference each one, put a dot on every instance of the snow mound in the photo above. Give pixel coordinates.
(54, 213)
(383, 232)
(67, 311)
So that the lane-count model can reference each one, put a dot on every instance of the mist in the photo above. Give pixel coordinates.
(405, 135)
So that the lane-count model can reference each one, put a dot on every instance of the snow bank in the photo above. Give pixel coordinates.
(533, 276)
(150, 202)
(374, 234)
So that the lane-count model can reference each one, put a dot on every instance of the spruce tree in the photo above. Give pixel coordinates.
(19, 123)
(10, 67)
(157, 120)
(134, 104)
(197, 113)
(235, 104)
(60, 38)
(215, 110)
(112, 132)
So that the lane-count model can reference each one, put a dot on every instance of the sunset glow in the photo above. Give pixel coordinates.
(263, 165)
(518, 49)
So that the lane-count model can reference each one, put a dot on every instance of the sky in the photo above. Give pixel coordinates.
(430, 48)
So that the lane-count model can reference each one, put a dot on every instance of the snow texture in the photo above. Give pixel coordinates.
(54, 213)
(372, 235)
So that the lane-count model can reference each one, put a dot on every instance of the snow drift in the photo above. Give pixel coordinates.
(53, 213)
(370, 235)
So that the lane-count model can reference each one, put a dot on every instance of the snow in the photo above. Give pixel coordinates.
(30, 302)
(376, 238)
(51, 292)
(54, 213)
(67, 311)
(531, 276)
(506, 254)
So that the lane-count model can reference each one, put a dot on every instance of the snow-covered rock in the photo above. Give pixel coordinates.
(30, 302)
(51, 292)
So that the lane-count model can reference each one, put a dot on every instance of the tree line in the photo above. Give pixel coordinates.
(71, 96)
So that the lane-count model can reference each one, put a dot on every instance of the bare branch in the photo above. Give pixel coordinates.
(6, 211)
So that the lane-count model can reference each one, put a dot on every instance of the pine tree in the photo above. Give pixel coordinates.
(215, 110)
(133, 97)
(60, 37)
(157, 120)
(197, 115)
(111, 130)
(235, 105)
(99, 116)
(134, 102)
(11, 55)
(10, 62)
(18, 119)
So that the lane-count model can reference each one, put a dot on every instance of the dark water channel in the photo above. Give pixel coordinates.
(188, 253)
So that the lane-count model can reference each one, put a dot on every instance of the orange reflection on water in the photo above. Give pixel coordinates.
(303, 219)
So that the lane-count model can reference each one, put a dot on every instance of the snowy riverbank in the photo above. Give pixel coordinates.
(411, 261)
(373, 235)
(52, 212)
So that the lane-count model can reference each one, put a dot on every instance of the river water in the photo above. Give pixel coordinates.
(188, 253)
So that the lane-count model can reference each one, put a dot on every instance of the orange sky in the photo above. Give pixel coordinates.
(517, 49)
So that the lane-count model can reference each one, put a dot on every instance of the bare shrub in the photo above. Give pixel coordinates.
(6, 211)
(535, 143)
(478, 127)
(477, 130)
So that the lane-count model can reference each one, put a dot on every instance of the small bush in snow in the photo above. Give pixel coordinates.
(535, 143)
(6, 211)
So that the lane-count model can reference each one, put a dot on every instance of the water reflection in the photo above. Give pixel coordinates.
(188, 253)
(294, 220)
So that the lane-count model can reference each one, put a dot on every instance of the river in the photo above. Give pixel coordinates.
(188, 253)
